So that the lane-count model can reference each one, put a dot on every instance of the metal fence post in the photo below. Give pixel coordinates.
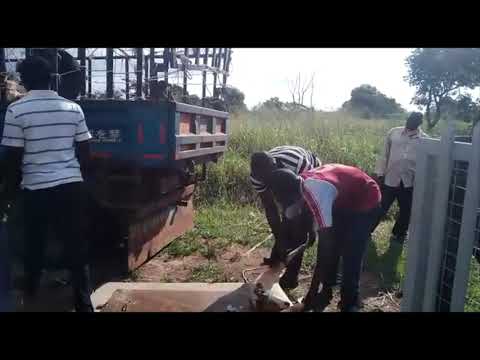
(415, 276)
(467, 231)
(440, 203)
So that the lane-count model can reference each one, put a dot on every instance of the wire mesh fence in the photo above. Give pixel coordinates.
(453, 225)
(472, 301)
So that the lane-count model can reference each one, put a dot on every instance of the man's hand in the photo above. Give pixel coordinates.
(380, 179)
(83, 152)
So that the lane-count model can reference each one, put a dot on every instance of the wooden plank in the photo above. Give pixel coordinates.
(218, 64)
(166, 64)
(173, 58)
(199, 152)
(215, 75)
(187, 108)
(153, 72)
(197, 56)
(56, 82)
(194, 139)
(227, 66)
(82, 58)
(203, 67)
(147, 75)
(109, 73)
(127, 79)
(185, 77)
(204, 77)
(214, 52)
(89, 90)
(139, 71)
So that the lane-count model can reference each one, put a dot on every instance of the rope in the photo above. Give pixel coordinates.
(244, 272)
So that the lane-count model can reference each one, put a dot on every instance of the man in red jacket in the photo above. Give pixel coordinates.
(345, 203)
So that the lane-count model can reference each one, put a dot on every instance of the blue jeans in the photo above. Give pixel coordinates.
(5, 300)
(351, 231)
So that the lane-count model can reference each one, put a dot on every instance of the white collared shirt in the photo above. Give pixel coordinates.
(397, 161)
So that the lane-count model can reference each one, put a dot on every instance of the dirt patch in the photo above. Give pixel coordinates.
(231, 261)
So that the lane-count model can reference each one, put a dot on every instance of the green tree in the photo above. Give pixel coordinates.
(438, 74)
(463, 108)
(272, 104)
(234, 99)
(367, 102)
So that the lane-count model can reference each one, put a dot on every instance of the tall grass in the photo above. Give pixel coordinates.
(333, 137)
(226, 201)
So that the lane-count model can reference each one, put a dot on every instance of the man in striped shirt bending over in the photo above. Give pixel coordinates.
(288, 234)
(43, 133)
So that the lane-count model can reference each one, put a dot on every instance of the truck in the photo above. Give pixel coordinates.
(151, 143)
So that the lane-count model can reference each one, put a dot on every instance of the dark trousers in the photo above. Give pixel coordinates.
(5, 276)
(61, 209)
(297, 232)
(404, 196)
(351, 233)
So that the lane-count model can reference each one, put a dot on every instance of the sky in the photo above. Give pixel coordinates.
(262, 73)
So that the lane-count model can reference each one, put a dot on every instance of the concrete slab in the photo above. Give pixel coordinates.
(172, 297)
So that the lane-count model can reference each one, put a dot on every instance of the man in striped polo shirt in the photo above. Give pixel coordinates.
(288, 234)
(44, 133)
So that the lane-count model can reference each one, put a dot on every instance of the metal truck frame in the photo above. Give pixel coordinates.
(146, 146)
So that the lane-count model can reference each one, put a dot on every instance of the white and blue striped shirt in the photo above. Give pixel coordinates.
(47, 126)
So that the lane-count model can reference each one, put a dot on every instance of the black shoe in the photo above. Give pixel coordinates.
(322, 300)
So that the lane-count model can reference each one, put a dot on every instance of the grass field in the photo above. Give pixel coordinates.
(228, 211)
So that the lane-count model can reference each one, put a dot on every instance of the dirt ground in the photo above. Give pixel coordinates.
(231, 262)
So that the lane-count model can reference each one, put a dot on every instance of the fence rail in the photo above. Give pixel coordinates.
(443, 256)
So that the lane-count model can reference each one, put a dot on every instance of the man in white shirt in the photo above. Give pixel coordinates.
(395, 170)
(46, 138)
